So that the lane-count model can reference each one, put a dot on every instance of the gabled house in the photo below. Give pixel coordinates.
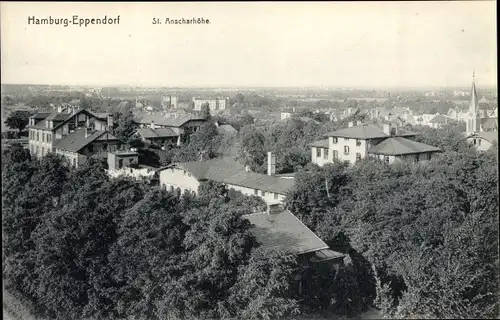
(43, 133)
(354, 143)
(83, 143)
(159, 136)
(188, 123)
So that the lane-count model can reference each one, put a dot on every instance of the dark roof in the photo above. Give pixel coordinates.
(149, 133)
(319, 144)
(228, 171)
(489, 123)
(40, 115)
(400, 145)
(284, 231)
(60, 118)
(367, 131)
(101, 115)
(439, 119)
(76, 141)
(160, 120)
(226, 129)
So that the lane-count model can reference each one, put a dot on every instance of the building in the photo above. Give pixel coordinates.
(279, 229)
(285, 115)
(169, 102)
(84, 143)
(439, 121)
(217, 104)
(388, 142)
(126, 164)
(478, 120)
(187, 124)
(44, 130)
(159, 136)
(483, 140)
(226, 129)
(187, 176)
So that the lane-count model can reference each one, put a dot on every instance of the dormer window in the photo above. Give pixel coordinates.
(335, 140)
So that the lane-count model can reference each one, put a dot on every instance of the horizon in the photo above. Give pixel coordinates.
(399, 45)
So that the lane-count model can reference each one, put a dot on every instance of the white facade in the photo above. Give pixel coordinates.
(480, 143)
(214, 104)
(136, 173)
(342, 149)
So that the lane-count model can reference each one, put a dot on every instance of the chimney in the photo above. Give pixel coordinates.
(387, 129)
(271, 164)
(247, 168)
(86, 133)
(350, 124)
(273, 208)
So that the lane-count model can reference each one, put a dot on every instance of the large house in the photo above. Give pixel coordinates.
(74, 133)
(387, 142)
(217, 104)
(186, 123)
(187, 176)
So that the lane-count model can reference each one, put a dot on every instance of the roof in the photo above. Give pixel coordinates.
(319, 144)
(400, 145)
(149, 133)
(167, 122)
(40, 115)
(283, 230)
(490, 136)
(367, 131)
(102, 115)
(60, 118)
(439, 119)
(124, 153)
(489, 123)
(226, 129)
(76, 141)
(228, 171)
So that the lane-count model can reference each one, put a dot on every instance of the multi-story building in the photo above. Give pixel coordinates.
(186, 123)
(187, 176)
(217, 104)
(388, 142)
(169, 102)
(44, 130)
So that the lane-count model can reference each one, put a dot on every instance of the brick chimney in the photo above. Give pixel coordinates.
(271, 164)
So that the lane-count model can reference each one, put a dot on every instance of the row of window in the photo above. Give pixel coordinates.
(46, 137)
(335, 153)
(476, 142)
(178, 190)
(263, 193)
(336, 140)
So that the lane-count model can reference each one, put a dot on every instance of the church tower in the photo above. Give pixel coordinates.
(474, 119)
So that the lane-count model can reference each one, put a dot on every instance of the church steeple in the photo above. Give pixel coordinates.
(474, 122)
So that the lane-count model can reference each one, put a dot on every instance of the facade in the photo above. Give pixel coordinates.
(160, 136)
(354, 143)
(217, 104)
(187, 177)
(44, 130)
(483, 140)
(126, 164)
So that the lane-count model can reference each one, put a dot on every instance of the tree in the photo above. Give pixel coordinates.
(205, 110)
(125, 127)
(252, 151)
(18, 120)
(15, 154)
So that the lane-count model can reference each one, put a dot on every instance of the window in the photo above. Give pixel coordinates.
(104, 146)
(275, 196)
(325, 155)
(358, 156)
(256, 192)
(43, 137)
(120, 163)
(49, 137)
(335, 140)
(386, 159)
(478, 142)
(263, 193)
(43, 150)
(358, 142)
(346, 139)
(37, 136)
(474, 141)
(318, 152)
(346, 149)
(335, 154)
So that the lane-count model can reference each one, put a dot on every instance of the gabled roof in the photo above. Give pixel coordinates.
(439, 119)
(226, 129)
(319, 144)
(40, 115)
(76, 141)
(367, 131)
(148, 133)
(399, 145)
(489, 123)
(491, 136)
(60, 118)
(228, 171)
(284, 231)
(167, 122)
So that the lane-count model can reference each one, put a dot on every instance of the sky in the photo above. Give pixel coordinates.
(295, 44)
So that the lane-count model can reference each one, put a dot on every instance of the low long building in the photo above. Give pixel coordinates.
(187, 176)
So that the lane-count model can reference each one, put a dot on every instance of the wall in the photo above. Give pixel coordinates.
(71, 156)
(268, 197)
(35, 145)
(178, 178)
(479, 143)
